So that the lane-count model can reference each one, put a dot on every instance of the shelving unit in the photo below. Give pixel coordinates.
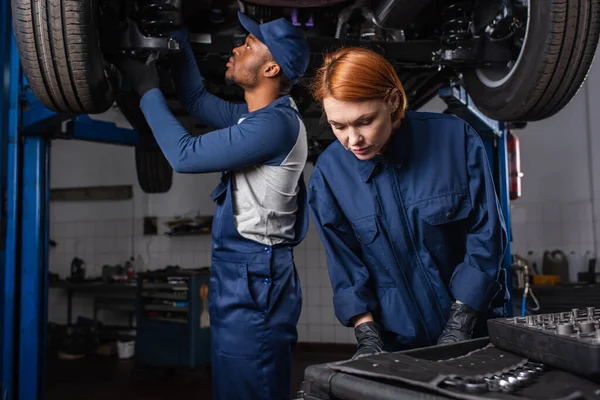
(171, 328)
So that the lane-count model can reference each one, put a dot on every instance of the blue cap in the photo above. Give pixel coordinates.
(286, 43)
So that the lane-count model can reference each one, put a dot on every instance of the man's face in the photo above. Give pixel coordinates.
(245, 66)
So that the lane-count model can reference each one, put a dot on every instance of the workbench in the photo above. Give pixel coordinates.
(107, 296)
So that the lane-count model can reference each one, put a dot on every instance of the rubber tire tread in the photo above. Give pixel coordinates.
(546, 81)
(154, 172)
(58, 46)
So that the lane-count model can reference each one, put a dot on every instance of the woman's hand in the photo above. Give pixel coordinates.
(369, 337)
(460, 324)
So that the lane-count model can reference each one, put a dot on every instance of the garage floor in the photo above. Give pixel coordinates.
(104, 378)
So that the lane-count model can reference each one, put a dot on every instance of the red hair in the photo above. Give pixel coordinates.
(358, 74)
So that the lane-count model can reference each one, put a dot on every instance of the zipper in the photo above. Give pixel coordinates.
(406, 226)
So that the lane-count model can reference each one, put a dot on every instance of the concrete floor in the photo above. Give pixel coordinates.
(101, 378)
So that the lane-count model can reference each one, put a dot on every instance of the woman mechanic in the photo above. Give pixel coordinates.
(405, 205)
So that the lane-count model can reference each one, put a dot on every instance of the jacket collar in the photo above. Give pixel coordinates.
(283, 100)
(396, 153)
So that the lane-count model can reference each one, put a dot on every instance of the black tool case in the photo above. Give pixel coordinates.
(561, 342)
(423, 374)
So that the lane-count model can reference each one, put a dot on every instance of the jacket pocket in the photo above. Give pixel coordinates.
(444, 224)
(366, 230)
(446, 209)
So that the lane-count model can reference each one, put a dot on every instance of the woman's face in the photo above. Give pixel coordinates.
(362, 127)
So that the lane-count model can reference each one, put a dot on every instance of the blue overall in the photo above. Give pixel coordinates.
(255, 301)
(409, 232)
(255, 297)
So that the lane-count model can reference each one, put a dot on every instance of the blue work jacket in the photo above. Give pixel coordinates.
(409, 232)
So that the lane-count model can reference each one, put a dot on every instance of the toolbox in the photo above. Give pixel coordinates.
(568, 340)
(474, 369)
(173, 325)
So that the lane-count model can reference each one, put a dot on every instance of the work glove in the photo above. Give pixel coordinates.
(142, 76)
(460, 324)
(368, 336)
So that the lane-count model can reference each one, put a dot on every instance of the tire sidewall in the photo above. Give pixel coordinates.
(493, 100)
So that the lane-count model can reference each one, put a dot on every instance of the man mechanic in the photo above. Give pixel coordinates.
(260, 147)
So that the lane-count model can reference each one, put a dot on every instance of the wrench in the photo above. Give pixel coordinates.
(468, 385)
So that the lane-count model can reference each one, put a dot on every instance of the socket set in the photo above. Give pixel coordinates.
(567, 340)
(505, 381)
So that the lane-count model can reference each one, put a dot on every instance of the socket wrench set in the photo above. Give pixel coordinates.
(567, 340)
(506, 381)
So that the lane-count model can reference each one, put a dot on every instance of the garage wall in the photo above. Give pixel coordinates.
(560, 186)
(560, 191)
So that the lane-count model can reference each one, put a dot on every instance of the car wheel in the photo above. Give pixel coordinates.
(58, 45)
(555, 53)
(154, 172)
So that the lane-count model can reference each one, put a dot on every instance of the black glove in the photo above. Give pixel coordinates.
(368, 336)
(141, 76)
(460, 324)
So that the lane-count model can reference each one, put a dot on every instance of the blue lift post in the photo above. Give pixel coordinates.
(25, 125)
(28, 189)
(493, 134)
(8, 176)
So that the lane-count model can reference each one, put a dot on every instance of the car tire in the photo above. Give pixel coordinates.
(58, 44)
(558, 50)
(154, 173)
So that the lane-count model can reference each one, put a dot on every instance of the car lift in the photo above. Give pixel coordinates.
(26, 130)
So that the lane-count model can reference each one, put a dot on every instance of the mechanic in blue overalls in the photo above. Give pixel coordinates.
(405, 205)
(254, 293)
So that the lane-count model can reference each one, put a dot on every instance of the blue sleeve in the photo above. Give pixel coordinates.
(193, 95)
(347, 273)
(264, 138)
(475, 281)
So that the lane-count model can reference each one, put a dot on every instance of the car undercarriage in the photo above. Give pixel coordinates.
(519, 60)
(429, 42)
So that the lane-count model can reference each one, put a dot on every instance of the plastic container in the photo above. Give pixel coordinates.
(126, 349)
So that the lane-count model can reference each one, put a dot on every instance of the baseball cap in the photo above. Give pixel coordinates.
(286, 43)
